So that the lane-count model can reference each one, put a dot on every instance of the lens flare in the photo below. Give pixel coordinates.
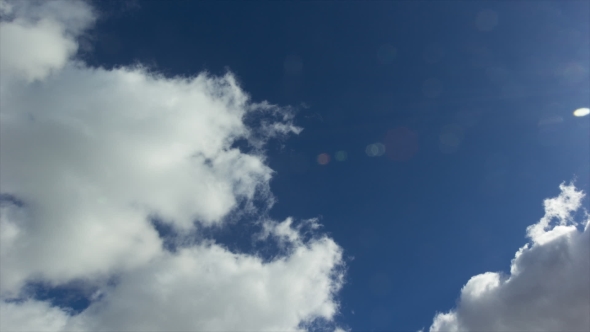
(341, 155)
(323, 159)
(375, 150)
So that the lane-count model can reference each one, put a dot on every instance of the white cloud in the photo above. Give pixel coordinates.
(285, 232)
(208, 288)
(31, 316)
(39, 39)
(548, 288)
(93, 153)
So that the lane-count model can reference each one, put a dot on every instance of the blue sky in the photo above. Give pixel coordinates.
(469, 107)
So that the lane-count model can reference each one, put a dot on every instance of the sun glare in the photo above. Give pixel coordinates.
(582, 112)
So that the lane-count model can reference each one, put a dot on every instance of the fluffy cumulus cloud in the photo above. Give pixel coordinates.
(207, 288)
(89, 155)
(548, 288)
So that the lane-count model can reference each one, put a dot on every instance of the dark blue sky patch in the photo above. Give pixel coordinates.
(73, 297)
(319, 325)
(166, 232)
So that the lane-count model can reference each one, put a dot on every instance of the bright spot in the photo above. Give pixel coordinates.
(323, 159)
(341, 155)
(582, 112)
(375, 150)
